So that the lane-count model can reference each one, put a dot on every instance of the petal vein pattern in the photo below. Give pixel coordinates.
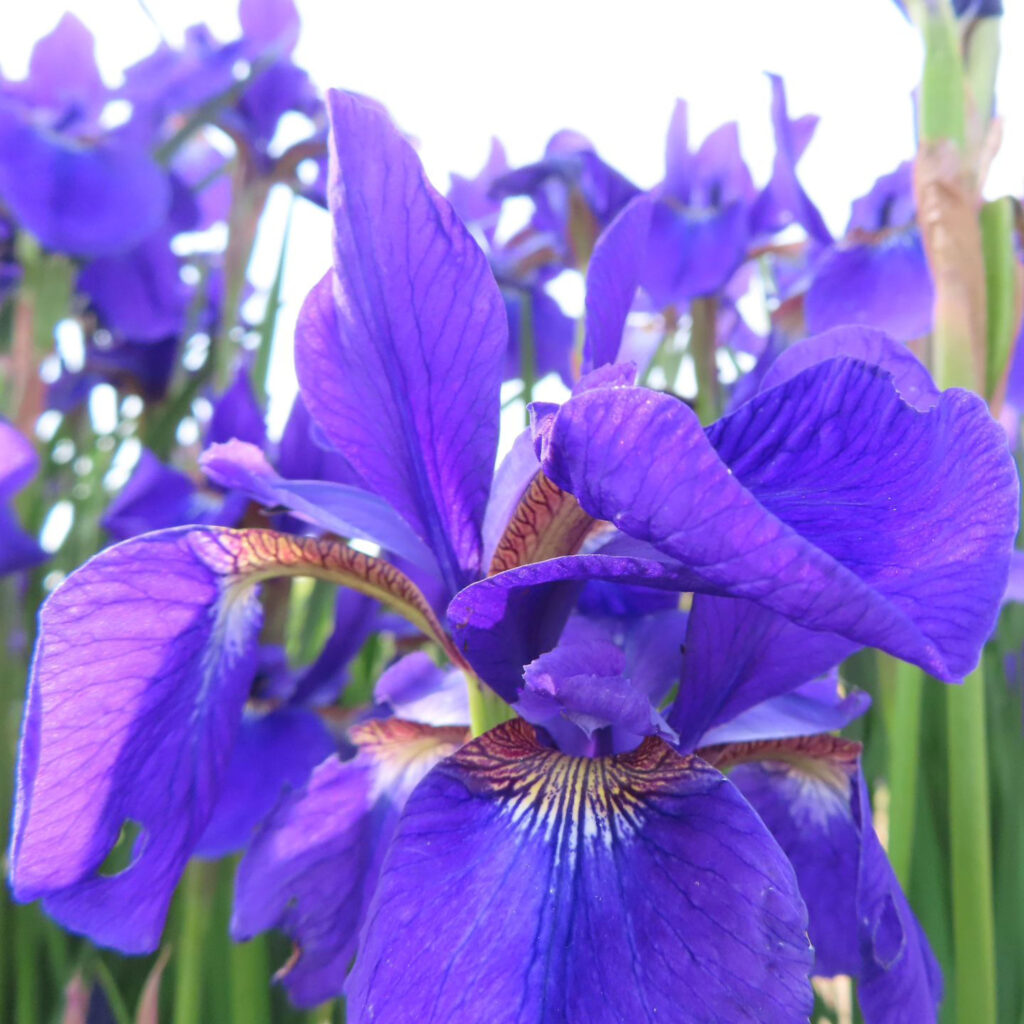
(400, 348)
(547, 523)
(826, 499)
(146, 657)
(636, 888)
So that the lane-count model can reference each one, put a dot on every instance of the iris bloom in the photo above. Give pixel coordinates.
(77, 187)
(877, 275)
(575, 195)
(847, 504)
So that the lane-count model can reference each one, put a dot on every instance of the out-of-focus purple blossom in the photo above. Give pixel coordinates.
(877, 275)
(74, 186)
(138, 294)
(10, 268)
(700, 224)
(142, 368)
(575, 195)
(245, 85)
(784, 201)
(158, 496)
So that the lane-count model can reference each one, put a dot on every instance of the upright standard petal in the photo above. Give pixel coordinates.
(145, 658)
(828, 500)
(269, 25)
(784, 200)
(632, 888)
(613, 277)
(400, 349)
(62, 72)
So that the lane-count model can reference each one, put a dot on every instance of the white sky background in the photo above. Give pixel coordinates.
(455, 72)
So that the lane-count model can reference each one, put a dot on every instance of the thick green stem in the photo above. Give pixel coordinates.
(703, 349)
(970, 827)
(981, 59)
(188, 954)
(904, 719)
(26, 965)
(1000, 294)
(942, 114)
(250, 997)
(947, 191)
(249, 199)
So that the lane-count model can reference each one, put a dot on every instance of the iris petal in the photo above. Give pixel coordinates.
(812, 796)
(637, 888)
(827, 500)
(145, 659)
(311, 870)
(400, 349)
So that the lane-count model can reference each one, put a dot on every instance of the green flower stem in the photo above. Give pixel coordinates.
(105, 979)
(249, 968)
(324, 1013)
(943, 119)
(1000, 294)
(261, 366)
(26, 966)
(981, 59)
(942, 114)
(194, 898)
(703, 346)
(249, 199)
(486, 708)
(904, 725)
(970, 827)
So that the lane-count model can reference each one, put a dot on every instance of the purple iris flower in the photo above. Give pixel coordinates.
(575, 195)
(18, 464)
(877, 275)
(692, 235)
(784, 201)
(78, 188)
(521, 881)
(700, 223)
(521, 266)
(171, 85)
